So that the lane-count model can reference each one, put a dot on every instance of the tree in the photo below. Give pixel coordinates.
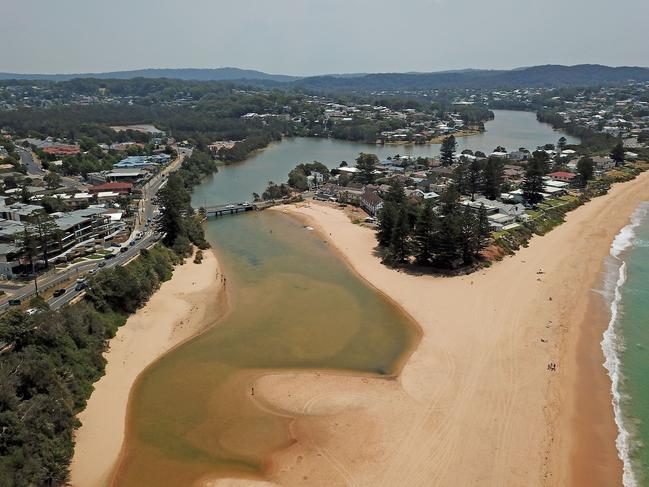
(424, 232)
(493, 177)
(562, 143)
(617, 154)
(475, 177)
(175, 203)
(387, 218)
(366, 164)
(27, 242)
(585, 169)
(533, 182)
(47, 232)
(483, 230)
(397, 193)
(52, 180)
(447, 151)
(461, 177)
(399, 239)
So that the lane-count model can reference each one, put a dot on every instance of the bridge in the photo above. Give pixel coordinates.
(233, 208)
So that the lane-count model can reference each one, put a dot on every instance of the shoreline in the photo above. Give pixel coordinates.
(180, 310)
(569, 419)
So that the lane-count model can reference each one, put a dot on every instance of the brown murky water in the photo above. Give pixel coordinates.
(295, 305)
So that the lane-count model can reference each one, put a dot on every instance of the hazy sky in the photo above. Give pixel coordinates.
(319, 36)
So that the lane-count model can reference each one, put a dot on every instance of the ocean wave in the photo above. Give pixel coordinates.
(612, 344)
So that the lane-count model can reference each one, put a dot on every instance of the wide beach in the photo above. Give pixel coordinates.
(192, 300)
(476, 403)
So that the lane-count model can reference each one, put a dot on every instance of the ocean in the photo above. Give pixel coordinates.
(626, 344)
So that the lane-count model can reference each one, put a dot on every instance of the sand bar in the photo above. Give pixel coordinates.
(183, 307)
(475, 404)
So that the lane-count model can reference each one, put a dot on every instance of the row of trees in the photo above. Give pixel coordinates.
(448, 236)
(55, 356)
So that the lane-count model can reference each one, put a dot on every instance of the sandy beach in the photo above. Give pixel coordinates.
(183, 307)
(475, 404)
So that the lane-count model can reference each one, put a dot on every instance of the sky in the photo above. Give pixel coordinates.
(307, 37)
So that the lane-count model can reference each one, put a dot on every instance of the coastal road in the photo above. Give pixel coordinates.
(120, 259)
(76, 271)
(29, 161)
(146, 211)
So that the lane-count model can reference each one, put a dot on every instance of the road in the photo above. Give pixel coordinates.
(121, 258)
(145, 211)
(76, 271)
(28, 160)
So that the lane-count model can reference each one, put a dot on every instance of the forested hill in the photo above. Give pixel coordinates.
(537, 76)
(218, 74)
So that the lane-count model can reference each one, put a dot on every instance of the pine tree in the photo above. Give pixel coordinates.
(387, 219)
(366, 164)
(461, 177)
(447, 151)
(493, 177)
(585, 169)
(482, 231)
(399, 251)
(533, 183)
(423, 243)
(396, 194)
(617, 154)
(475, 178)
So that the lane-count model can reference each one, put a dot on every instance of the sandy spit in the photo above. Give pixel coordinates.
(182, 308)
(475, 404)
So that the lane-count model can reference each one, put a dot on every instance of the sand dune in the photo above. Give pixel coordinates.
(180, 309)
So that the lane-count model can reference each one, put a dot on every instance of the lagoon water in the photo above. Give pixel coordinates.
(237, 182)
(295, 305)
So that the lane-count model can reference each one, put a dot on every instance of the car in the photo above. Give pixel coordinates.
(59, 292)
(81, 280)
(14, 302)
(101, 264)
(92, 271)
(109, 256)
(230, 206)
(80, 286)
(31, 311)
(115, 245)
(123, 249)
(133, 242)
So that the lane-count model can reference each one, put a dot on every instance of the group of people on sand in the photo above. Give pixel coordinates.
(552, 367)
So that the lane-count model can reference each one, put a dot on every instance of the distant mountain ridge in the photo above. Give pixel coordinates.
(536, 76)
(187, 74)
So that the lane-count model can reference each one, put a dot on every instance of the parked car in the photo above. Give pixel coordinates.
(80, 286)
(59, 292)
(31, 311)
(109, 256)
(14, 302)
(92, 271)
(115, 245)
(124, 249)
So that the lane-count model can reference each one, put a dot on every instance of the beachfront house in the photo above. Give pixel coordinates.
(371, 202)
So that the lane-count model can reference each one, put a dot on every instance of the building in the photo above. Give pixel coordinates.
(371, 202)
(150, 162)
(566, 177)
(123, 188)
(81, 231)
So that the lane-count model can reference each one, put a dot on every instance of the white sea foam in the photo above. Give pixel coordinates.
(612, 342)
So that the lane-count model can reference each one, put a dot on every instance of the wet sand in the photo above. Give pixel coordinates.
(184, 306)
